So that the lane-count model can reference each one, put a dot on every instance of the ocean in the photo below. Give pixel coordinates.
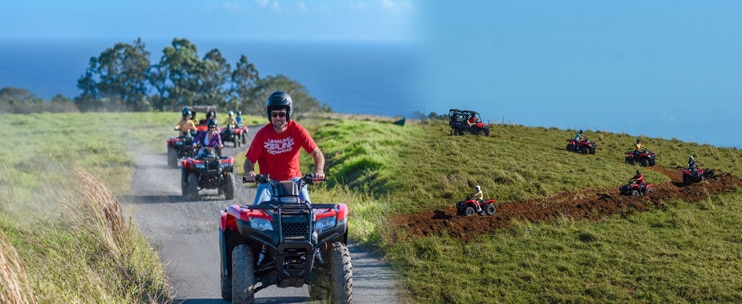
(358, 78)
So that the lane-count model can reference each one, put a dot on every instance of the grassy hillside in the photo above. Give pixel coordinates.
(677, 252)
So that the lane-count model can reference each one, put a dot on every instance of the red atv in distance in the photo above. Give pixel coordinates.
(180, 147)
(633, 188)
(692, 176)
(582, 146)
(644, 158)
(470, 206)
(209, 171)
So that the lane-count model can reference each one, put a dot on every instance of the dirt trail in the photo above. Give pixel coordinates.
(586, 204)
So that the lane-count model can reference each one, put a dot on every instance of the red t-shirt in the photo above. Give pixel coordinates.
(278, 154)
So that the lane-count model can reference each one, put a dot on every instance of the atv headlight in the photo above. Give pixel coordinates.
(200, 166)
(325, 223)
(260, 224)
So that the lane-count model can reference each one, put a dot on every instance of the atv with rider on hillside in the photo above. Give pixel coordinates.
(642, 157)
(582, 146)
(471, 205)
(634, 188)
(466, 121)
(285, 242)
(693, 175)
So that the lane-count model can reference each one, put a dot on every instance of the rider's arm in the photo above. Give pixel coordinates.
(319, 163)
(249, 168)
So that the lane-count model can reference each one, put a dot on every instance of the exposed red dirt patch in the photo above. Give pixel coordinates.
(587, 204)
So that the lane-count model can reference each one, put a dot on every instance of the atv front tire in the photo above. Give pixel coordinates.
(243, 277)
(341, 274)
(585, 150)
(192, 187)
(469, 211)
(570, 147)
(645, 162)
(490, 209)
(229, 186)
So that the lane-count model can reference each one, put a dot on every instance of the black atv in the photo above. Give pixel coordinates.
(285, 242)
(466, 121)
(209, 171)
(180, 147)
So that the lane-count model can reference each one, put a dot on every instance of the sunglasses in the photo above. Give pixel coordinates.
(278, 114)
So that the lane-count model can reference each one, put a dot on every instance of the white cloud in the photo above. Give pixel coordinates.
(669, 117)
(302, 7)
(262, 3)
(276, 6)
(397, 6)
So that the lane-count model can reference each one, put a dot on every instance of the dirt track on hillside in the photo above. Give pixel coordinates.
(587, 204)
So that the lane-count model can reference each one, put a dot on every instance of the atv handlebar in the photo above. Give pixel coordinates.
(308, 179)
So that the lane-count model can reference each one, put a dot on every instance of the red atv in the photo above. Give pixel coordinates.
(582, 146)
(633, 188)
(180, 147)
(234, 135)
(285, 242)
(645, 158)
(470, 206)
(692, 176)
(209, 171)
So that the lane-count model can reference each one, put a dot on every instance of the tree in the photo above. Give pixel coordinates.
(176, 73)
(213, 72)
(245, 79)
(118, 79)
(302, 101)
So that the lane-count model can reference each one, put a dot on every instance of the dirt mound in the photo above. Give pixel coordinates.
(587, 204)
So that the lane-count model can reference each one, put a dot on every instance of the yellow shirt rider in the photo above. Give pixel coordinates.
(186, 125)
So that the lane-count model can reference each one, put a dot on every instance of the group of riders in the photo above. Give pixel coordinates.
(639, 177)
(210, 140)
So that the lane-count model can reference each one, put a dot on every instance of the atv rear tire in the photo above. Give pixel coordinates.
(469, 211)
(585, 150)
(634, 192)
(244, 137)
(243, 276)
(192, 187)
(686, 180)
(490, 209)
(341, 274)
(235, 141)
(229, 187)
(183, 182)
(570, 147)
(645, 162)
(630, 160)
(226, 288)
(172, 157)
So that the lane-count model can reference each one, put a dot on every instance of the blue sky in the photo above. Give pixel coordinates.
(660, 68)
(365, 20)
(670, 69)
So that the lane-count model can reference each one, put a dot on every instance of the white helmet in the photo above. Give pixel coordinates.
(478, 188)
(691, 158)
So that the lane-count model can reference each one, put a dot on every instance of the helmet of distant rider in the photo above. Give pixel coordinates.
(279, 100)
(211, 122)
(239, 113)
(186, 112)
(230, 113)
(691, 158)
(580, 131)
(638, 172)
(478, 188)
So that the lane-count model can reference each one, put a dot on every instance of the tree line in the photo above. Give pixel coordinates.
(122, 78)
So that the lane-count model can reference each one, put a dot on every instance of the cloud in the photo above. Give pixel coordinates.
(302, 7)
(262, 3)
(397, 6)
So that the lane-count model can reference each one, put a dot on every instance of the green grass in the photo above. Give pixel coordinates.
(686, 253)
(680, 253)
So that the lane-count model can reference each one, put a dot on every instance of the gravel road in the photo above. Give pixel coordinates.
(186, 235)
